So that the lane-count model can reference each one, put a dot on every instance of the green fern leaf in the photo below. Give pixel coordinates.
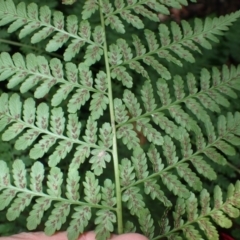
(125, 49)
(42, 147)
(114, 55)
(35, 216)
(37, 176)
(163, 92)
(221, 219)
(215, 156)
(140, 163)
(73, 126)
(98, 160)
(136, 66)
(108, 195)
(225, 148)
(179, 211)
(186, 148)
(146, 13)
(73, 49)
(134, 200)
(73, 184)
(12, 131)
(234, 140)
(57, 218)
(78, 99)
(19, 174)
(6, 197)
(7, 6)
(162, 71)
(119, 4)
(98, 104)
(135, 21)
(205, 202)
(120, 111)
(4, 174)
(105, 136)
(148, 98)
(129, 227)
(128, 136)
(121, 74)
(231, 211)
(94, 52)
(60, 38)
(57, 121)
(115, 23)
(203, 168)
(107, 7)
(63, 148)
(104, 222)
(101, 83)
(146, 223)
(132, 103)
(209, 230)
(90, 132)
(127, 174)
(40, 19)
(55, 179)
(158, 7)
(191, 233)
(174, 185)
(89, 8)
(139, 47)
(155, 158)
(91, 189)
(178, 87)
(191, 208)
(19, 204)
(190, 177)
(81, 153)
(169, 150)
(80, 219)
(151, 133)
(152, 188)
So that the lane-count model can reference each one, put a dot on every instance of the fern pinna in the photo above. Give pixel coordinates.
(79, 117)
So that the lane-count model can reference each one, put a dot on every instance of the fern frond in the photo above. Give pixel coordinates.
(52, 129)
(129, 11)
(186, 214)
(185, 40)
(227, 81)
(44, 24)
(76, 82)
(198, 160)
(20, 195)
(173, 134)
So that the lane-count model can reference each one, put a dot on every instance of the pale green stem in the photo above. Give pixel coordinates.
(114, 152)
